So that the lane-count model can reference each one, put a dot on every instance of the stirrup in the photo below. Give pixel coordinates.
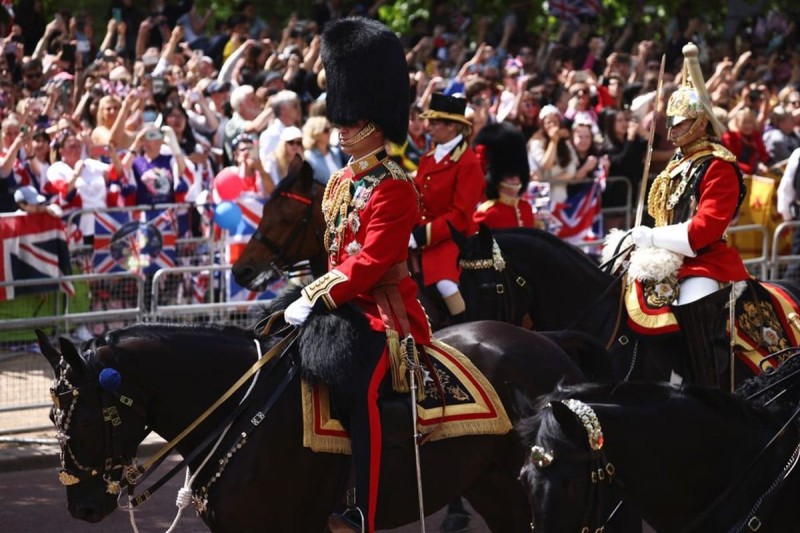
(351, 520)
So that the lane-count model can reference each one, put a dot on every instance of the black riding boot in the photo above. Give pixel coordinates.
(701, 322)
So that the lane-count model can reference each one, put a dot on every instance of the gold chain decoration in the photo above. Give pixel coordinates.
(497, 261)
(335, 203)
(362, 134)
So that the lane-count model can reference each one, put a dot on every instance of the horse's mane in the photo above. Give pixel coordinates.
(177, 333)
(518, 238)
(781, 400)
(542, 425)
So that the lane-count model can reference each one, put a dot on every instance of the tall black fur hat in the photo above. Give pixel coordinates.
(367, 75)
(502, 150)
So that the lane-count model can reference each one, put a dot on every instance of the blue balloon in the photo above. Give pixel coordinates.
(228, 215)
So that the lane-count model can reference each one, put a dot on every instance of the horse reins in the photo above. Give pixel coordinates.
(282, 250)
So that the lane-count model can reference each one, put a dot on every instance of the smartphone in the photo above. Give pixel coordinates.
(149, 115)
(68, 52)
(116, 14)
(23, 129)
(159, 84)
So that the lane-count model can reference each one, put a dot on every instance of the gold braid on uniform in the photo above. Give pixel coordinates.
(665, 186)
(335, 203)
(657, 199)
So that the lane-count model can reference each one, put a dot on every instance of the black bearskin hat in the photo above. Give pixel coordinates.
(502, 151)
(367, 76)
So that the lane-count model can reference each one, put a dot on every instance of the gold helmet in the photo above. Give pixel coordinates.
(691, 101)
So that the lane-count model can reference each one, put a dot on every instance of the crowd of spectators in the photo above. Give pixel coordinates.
(150, 109)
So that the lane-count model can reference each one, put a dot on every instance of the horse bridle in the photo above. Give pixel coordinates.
(601, 470)
(503, 277)
(281, 251)
(117, 462)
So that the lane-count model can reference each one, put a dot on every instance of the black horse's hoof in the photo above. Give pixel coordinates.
(455, 523)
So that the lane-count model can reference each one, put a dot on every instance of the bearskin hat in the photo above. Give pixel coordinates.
(502, 151)
(367, 76)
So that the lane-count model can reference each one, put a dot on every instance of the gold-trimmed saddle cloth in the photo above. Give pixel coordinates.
(472, 405)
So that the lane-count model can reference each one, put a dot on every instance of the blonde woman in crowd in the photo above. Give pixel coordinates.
(323, 158)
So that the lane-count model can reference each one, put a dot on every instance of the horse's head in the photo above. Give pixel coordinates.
(565, 476)
(99, 424)
(290, 230)
(486, 288)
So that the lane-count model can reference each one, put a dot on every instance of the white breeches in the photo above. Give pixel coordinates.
(446, 287)
(692, 289)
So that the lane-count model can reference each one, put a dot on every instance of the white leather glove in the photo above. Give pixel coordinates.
(298, 311)
(412, 242)
(642, 236)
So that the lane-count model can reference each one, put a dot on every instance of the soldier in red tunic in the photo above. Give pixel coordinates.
(370, 208)
(693, 201)
(501, 151)
(450, 183)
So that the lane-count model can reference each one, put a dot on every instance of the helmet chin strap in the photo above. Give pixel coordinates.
(362, 134)
(684, 139)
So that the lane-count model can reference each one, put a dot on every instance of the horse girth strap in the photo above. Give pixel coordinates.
(168, 447)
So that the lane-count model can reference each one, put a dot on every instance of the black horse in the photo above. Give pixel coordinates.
(689, 459)
(165, 376)
(548, 284)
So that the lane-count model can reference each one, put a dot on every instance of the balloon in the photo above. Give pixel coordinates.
(228, 215)
(228, 184)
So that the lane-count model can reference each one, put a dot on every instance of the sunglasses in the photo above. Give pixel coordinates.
(579, 92)
(794, 102)
(32, 74)
(326, 130)
(295, 143)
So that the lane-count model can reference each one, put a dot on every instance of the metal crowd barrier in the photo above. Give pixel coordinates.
(776, 259)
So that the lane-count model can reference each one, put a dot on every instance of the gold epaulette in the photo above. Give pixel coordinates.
(723, 153)
(458, 151)
(486, 205)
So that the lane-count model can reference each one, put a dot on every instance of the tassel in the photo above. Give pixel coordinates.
(397, 356)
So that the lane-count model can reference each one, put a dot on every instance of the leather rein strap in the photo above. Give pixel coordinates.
(142, 471)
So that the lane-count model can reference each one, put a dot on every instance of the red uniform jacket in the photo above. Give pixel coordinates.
(450, 191)
(497, 214)
(719, 192)
(368, 246)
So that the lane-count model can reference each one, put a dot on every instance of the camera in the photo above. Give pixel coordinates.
(754, 95)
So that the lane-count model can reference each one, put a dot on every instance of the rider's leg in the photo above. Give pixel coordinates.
(452, 297)
(700, 307)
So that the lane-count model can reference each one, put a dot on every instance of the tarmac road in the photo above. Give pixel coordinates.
(32, 501)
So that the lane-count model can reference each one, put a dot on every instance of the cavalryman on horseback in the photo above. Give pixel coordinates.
(370, 208)
(694, 201)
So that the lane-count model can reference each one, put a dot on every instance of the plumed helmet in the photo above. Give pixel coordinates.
(502, 152)
(367, 76)
(691, 101)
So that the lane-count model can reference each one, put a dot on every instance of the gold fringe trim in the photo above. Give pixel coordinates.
(311, 439)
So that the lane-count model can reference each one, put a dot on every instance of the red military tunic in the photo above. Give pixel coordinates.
(370, 208)
(719, 190)
(505, 213)
(450, 191)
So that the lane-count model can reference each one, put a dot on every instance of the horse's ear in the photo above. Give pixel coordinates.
(484, 234)
(459, 238)
(48, 350)
(566, 420)
(303, 172)
(71, 355)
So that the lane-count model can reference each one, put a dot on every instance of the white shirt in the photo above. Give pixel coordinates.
(90, 185)
(445, 148)
(786, 192)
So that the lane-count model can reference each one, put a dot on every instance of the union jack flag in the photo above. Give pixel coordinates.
(580, 217)
(252, 207)
(141, 241)
(573, 9)
(33, 246)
